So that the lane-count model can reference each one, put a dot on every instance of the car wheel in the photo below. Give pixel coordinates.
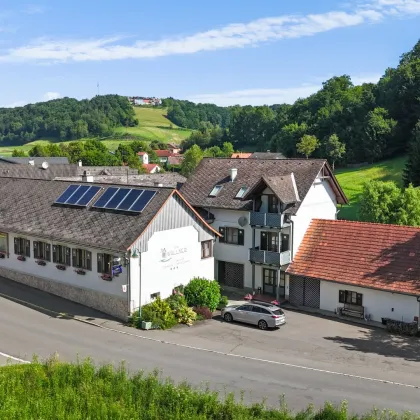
(262, 325)
(228, 317)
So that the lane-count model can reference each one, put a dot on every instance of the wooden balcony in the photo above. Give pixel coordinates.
(259, 256)
(273, 220)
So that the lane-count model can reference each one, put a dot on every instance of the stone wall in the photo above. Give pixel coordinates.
(111, 305)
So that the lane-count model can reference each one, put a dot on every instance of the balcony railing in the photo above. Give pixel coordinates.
(274, 220)
(268, 257)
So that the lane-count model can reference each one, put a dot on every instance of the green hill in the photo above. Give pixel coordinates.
(153, 125)
(352, 181)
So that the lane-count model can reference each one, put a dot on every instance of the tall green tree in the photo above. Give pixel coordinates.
(18, 153)
(409, 208)
(335, 149)
(192, 158)
(307, 145)
(412, 167)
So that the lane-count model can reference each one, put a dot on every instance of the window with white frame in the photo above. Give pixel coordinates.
(22, 247)
(42, 250)
(61, 254)
(4, 240)
(104, 263)
(82, 259)
(206, 249)
(241, 192)
(215, 190)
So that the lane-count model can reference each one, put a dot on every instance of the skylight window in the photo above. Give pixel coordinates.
(241, 192)
(215, 190)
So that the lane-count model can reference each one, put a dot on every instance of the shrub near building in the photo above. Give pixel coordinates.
(203, 293)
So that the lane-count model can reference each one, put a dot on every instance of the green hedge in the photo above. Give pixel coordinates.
(82, 391)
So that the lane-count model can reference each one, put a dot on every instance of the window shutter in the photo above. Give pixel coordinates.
(241, 236)
(55, 253)
(27, 247)
(17, 246)
(74, 255)
(222, 232)
(36, 249)
(342, 296)
(359, 299)
(48, 252)
(88, 260)
(66, 250)
(100, 263)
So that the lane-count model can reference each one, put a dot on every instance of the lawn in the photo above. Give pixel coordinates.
(153, 125)
(352, 181)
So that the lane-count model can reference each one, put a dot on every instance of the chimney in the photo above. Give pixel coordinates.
(31, 162)
(158, 184)
(87, 177)
(80, 163)
(233, 173)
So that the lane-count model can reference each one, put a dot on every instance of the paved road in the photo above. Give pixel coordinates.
(24, 332)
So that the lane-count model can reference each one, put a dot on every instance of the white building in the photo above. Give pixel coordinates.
(364, 270)
(144, 157)
(108, 247)
(262, 209)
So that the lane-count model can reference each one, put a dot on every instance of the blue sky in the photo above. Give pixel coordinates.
(221, 51)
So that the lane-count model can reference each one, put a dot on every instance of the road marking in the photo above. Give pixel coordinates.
(254, 359)
(16, 359)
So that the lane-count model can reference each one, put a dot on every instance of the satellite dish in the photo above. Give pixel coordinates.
(242, 221)
(44, 165)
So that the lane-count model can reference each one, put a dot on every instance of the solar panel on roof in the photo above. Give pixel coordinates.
(78, 195)
(67, 194)
(88, 196)
(129, 200)
(117, 198)
(143, 201)
(105, 197)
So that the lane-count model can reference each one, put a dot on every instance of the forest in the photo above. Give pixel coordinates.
(65, 119)
(341, 122)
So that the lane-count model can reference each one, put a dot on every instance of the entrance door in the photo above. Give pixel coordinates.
(269, 241)
(282, 286)
(269, 281)
(231, 274)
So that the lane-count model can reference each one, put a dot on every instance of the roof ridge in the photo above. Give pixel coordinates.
(357, 222)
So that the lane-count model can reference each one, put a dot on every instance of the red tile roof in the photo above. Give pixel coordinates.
(141, 153)
(164, 153)
(149, 166)
(378, 256)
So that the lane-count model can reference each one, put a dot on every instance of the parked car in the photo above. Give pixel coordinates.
(265, 315)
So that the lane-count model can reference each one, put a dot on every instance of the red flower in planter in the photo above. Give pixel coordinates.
(248, 297)
(21, 258)
(60, 267)
(106, 276)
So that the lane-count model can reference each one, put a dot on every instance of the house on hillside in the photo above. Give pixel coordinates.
(240, 155)
(174, 148)
(151, 168)
(262, 209)
(110, 247)
(144, 157)
(164, 155)
(364, 270)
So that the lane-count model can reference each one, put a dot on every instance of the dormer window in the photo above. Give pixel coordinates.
(241, 192)
(215, 190)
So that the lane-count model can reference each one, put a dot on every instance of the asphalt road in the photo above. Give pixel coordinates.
(25, 332)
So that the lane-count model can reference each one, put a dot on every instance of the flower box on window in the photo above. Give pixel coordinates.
(106, 277)
(41, 262)
(60, 267)
(21, 258)
(80, 271)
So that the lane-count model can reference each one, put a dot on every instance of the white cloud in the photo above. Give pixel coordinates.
(270, 96)
(235, 35)
(14, 104)
(49, 96)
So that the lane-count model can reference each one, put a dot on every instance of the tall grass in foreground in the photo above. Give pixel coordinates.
(54, 390)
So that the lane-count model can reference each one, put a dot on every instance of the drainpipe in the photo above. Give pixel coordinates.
(292, 225)
(140, 285)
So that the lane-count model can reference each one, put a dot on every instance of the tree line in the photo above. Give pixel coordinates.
(342, 122)
(65, 119)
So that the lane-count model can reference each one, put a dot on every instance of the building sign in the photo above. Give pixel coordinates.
(168, 254)
(172, 257)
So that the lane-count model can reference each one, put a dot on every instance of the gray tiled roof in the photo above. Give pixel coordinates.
(213, 171)
(283, 187)
(26, 207)
(267, 155)
(167, 179)
(36, 171)
(37, 160)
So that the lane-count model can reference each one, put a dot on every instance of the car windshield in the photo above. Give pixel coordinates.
(278, 312)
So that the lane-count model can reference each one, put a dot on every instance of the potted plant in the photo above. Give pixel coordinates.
(80, 271)
(60, 267)
(106, 276)
(21, 258)
(41, 262)
(146, 325)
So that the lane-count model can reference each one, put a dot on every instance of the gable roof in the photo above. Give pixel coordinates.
(175, 160)
(37, 160)
(150, 166)
(37, 172)
(216, 171)
(267, 155)
(378, 256)
(284, 187)
(27, 208)
(163, 153)
(141, 153)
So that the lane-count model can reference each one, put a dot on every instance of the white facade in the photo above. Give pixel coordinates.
(173, 257)
(144, 158)
(376, 303)
(320, 202)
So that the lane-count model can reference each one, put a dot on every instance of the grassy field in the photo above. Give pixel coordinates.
(352, 181)
(82, 391)
(153, 125)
